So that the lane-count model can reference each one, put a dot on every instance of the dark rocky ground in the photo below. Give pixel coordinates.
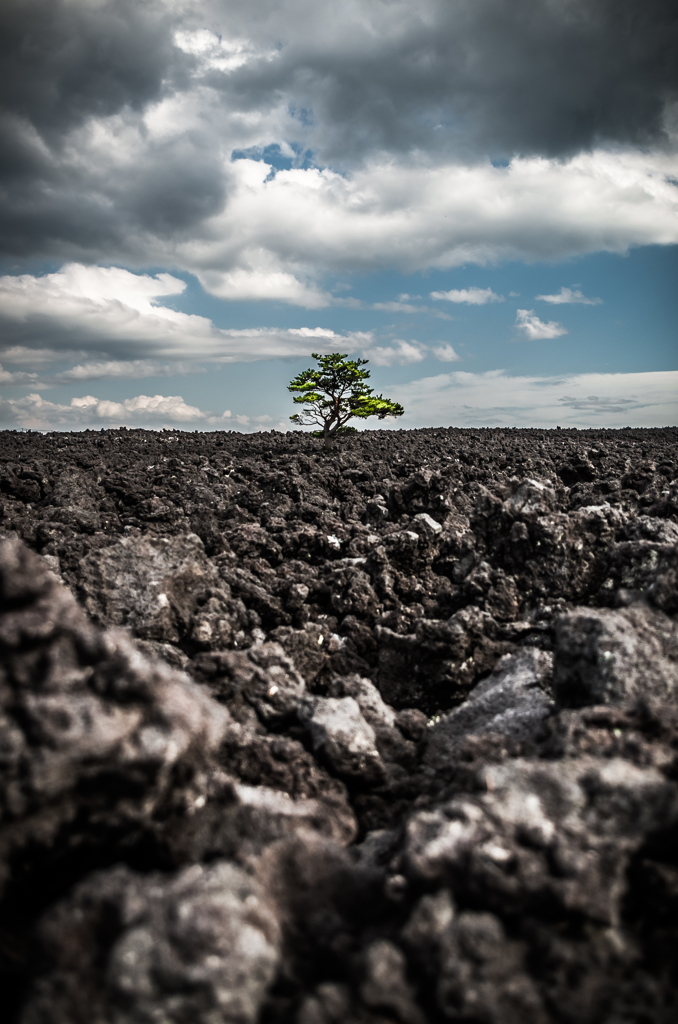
(385, 736)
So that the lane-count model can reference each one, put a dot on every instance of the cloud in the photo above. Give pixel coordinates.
(34, 357)
(402, 353)
(397, 307)
(267, 283)
(133, 369)
(471, 296)
(119, 122)
(496, 398)
(172, 407)
(446, 354)
(353, 79)
(569, 295)
(437, 76)
(413, 216)
(151, 411)
(535, 328)
(97, 307)
(67, 61)
(143, 410)
(595, 404)
(114, 312)
(7, 377)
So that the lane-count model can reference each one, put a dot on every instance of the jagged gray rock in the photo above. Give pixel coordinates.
(607, 657)
(342, 738)
(512, 703)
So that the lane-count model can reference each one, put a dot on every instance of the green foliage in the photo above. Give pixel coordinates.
(336, 393)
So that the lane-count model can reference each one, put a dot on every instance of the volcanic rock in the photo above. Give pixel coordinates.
(201, 946)
(385, 734)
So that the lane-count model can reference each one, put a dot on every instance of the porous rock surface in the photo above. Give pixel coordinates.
(386, 735)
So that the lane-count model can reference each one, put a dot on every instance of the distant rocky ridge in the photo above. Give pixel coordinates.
(385, 735)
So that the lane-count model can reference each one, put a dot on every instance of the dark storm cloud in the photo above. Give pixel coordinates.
(65, 61)
(177, 187)
(478, 77)
(55, 218)
(67, 340)
(451, 81)
(72, 213)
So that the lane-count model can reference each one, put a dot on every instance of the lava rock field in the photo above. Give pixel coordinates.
(381, 735)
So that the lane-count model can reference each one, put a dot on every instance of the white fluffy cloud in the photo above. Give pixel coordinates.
(18, 377)
(171, 407)
(499, 399)
(284, 230)
(569, 295)
(35, 412)
(266, 281)
(446, 354)
(534, 328)
(471, 296)
(279, 235)
(397, 307)
(401, 353)
(113, 311)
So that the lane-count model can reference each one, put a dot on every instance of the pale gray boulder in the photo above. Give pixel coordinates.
(513, 702)
(163, 589)
(342, 738)
(608, 657)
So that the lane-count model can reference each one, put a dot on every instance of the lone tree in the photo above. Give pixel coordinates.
(336, 393)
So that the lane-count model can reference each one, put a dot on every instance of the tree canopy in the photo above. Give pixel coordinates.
(335, 393)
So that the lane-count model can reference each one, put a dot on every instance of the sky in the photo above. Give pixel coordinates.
(480, 197)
